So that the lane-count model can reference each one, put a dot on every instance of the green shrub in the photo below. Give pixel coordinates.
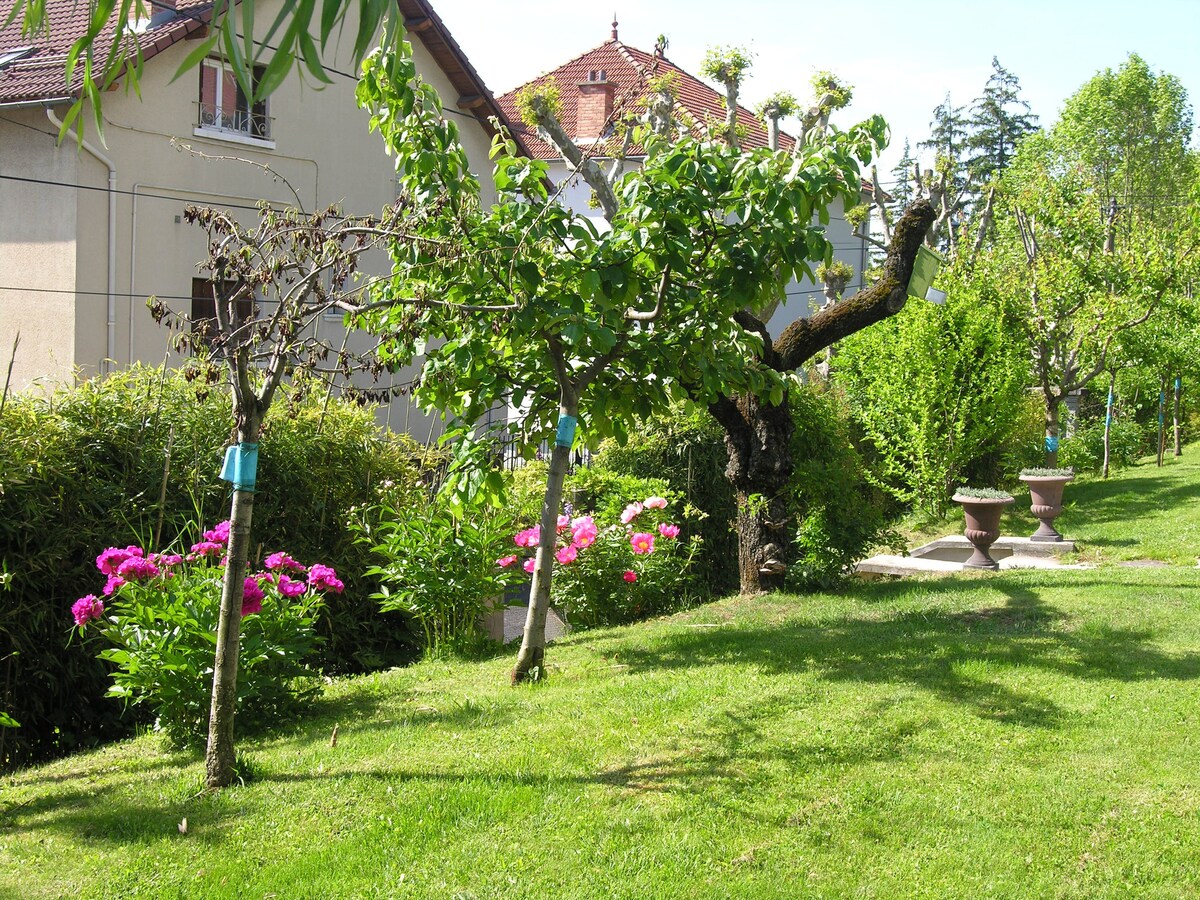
(85, 467)
(686, 452)
(840, 514)
(593, 589)
(937, 390)
(1084, 450)
(630, 571)
(440, 570)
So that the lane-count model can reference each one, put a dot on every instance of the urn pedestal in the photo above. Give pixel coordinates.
(982, 527)
(1045, 502)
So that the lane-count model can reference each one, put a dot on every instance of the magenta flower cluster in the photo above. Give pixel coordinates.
(576, 534)
(132, 565)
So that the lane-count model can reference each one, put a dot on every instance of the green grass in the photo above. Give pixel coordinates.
(1031, 734)
(1144, 512)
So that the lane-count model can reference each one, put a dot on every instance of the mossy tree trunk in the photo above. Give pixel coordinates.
(758, 434)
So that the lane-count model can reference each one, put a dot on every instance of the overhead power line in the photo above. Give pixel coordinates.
(107, 190)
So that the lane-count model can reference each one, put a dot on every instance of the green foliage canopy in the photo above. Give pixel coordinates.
(539, 308)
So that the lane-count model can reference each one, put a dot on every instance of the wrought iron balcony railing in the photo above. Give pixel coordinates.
(238, 121)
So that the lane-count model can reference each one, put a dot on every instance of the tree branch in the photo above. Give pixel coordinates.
(553, 131)
(885, 217)
(885, 298)
(638, 316)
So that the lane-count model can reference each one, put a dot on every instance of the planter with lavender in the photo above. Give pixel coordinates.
(1045, 499)
(982, 508)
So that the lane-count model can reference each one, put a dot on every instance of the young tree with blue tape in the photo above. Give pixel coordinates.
(270, 282)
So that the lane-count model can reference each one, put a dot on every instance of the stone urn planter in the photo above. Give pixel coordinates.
(982, 509)
(1045, 499)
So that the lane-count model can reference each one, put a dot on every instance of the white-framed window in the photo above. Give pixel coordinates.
(225, 110)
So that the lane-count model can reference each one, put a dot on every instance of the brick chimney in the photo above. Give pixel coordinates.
(595, 104)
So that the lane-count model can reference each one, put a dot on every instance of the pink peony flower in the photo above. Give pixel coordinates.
(136, 568)
(529, 565)
(529, 537)
(563, 522)
(629, 576)
(114, 582)
(206, 548)
(668, 531)
(632, 511)
(567, 555)
(166, 560)
(86, 609)
(281, 561)
(641, 542)
(220, 534)
(251, 595)
(324, 578)
(583, 531)
(110, 560)
(505, 561)
(289, 587)
(656, 503)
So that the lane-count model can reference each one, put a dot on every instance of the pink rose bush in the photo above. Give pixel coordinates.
(616, 572)
(156, 621)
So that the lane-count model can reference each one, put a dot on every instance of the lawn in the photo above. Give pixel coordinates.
(1028, 734)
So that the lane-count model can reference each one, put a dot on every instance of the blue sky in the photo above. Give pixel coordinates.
(902, 58)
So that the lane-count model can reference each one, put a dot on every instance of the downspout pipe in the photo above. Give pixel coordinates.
(106, 365)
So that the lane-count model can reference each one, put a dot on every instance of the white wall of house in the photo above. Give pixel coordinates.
(57, 238)
(38, 227)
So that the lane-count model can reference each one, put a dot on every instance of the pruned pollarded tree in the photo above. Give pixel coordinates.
(1096, 226)
(573, 324)
(758, 425)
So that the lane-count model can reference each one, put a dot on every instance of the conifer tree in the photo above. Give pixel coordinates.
(904, 189)
(947, 131)
(999, 119)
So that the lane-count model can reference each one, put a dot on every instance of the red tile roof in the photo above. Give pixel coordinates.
(39, 76)
(629, 68)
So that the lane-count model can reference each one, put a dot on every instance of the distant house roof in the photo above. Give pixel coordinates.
(36, 74)
(37, 77)
(628, 68)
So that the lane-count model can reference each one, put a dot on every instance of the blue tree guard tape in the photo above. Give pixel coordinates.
(241, 466)
(1051, 443)
(566, 431)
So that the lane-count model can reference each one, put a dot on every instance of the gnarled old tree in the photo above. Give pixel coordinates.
(758, 425)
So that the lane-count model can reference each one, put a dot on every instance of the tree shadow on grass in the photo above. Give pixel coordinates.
(951, 655)
(1131, 497)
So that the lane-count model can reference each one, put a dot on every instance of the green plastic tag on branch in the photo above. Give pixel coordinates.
(925, 270)
(566, 431)
(241, 466)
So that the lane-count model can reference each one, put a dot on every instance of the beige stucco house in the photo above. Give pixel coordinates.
(87, 234)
